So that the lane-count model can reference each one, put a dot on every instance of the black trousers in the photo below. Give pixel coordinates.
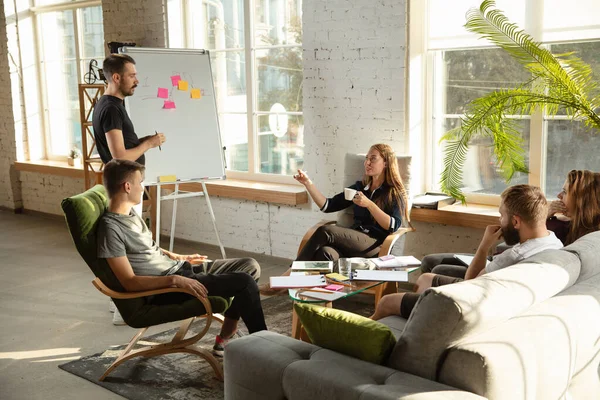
(232, 278)
(330, 242)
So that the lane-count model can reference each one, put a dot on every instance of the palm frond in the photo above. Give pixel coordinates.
(492, 24)
(558, 82)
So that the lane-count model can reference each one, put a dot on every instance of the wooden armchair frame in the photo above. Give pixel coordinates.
(179, 344)
(386, 247)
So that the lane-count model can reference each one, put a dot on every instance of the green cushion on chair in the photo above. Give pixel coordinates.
(82, 212)
(346, 332)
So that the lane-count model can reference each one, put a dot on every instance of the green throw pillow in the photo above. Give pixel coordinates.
(346, 332)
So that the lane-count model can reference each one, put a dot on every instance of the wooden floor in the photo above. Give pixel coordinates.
(50, 313)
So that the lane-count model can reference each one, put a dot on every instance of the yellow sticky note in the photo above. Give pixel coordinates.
(182, 85)
(167, 178)
(196, 94)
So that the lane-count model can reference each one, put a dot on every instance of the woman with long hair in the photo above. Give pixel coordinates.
(581, 199)
(380, 207)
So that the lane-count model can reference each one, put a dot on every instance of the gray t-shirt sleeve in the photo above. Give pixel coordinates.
(505, 259)
(111, 241)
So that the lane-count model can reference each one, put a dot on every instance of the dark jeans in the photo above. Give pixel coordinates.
(409, 300)
(330, 242)
(232, 278)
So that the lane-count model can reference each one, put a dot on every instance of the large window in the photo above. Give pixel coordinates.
(256, 61)
(457, 67)
(50, 48)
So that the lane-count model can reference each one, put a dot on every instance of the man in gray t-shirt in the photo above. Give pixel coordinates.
(139, 264)
(127, 235)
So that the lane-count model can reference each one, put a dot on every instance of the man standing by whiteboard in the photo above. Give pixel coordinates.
(113, 130)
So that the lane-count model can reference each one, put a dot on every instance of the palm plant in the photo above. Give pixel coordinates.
(558, 82)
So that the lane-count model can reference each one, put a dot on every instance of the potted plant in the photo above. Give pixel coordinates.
(558, 82)
(74, 158)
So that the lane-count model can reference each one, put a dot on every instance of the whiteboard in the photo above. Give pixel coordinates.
(162, 103)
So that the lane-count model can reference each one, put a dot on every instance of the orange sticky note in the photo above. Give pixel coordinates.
(182, 85)
(196, 94)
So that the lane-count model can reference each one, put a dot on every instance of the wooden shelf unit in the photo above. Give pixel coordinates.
(92, 165)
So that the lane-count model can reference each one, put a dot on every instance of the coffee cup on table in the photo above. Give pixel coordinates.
(349, 194)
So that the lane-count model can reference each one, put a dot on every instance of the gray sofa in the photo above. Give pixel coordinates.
(530, 331)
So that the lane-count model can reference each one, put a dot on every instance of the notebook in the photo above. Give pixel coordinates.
(466, 260)
(395, 261)
(284, 282)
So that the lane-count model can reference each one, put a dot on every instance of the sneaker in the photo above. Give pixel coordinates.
(117, 319)
(111, 306)
(219, 347)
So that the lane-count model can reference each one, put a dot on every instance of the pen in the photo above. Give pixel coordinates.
(159, 144)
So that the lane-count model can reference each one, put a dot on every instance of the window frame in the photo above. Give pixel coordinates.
(251, 76)
(74, 7)
(420, 111)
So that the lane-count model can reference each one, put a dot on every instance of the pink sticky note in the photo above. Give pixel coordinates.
(163, 93)
(334, 287)
(175, 79)
(169, 104)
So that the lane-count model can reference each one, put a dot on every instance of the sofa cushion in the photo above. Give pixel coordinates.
(446, 315)
(587, 248)
(346, 332)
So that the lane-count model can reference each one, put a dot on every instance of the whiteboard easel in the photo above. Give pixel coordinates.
(175, 196)
(176, 95)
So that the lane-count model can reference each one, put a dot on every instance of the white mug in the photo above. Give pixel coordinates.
(349, 194)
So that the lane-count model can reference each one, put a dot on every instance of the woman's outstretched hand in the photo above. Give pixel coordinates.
(302, 177)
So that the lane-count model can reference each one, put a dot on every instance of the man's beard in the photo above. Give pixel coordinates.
(510, 235)
(128, 92)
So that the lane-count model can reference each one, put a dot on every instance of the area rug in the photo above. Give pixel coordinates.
(184, 376)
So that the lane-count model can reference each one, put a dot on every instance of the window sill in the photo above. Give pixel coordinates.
(470, 216)
(278, 193)
(232, 188)
(60, 168)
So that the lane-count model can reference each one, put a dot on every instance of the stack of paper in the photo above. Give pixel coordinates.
(379, 275)
(297, 281)
(395, 261)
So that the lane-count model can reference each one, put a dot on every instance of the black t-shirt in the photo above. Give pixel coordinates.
(109, 114)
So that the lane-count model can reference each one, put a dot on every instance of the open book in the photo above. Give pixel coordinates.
(319, 266)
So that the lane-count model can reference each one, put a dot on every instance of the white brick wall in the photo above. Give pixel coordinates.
(42, 192)
(10, 190)
(140, 21)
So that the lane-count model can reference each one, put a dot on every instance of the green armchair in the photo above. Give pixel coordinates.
(139, 309)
